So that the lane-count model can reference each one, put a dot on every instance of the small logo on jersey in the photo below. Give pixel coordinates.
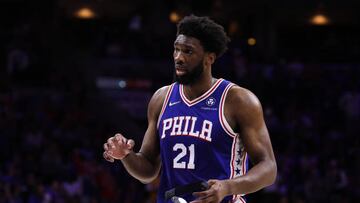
(210, 101)
(173, 103)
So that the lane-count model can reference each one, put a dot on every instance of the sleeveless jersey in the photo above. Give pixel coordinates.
(196, 142)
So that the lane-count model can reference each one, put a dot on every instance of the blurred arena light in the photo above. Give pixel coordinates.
(122, 83)
(251, 41)
(85, 13)
(174, 17)
(320, 19)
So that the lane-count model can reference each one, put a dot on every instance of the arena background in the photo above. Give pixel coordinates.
(74, 72)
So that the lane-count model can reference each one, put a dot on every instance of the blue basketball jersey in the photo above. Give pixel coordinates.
(196, 142)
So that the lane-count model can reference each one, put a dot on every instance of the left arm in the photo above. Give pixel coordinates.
(243, 111)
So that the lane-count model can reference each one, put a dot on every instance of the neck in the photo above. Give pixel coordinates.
(199, 87)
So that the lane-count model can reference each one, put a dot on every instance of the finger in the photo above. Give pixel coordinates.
(130, 144)
(211, 182)
(123, 141)
(111, 159)
(198, 201)
(212, 198)
(118, 136)
(106, 147)
(205, 199)
(111, 143)
(209, 198)
(107, 157)
(200, 195)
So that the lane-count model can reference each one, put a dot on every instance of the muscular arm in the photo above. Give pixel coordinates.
(145, 165)
(243, 111)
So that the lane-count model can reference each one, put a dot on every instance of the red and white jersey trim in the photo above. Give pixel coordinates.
(238, 160)
(202, 97)
(238, 199)
(167, 97)
(225, 125)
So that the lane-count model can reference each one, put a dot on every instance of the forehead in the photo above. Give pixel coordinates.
(187, 41)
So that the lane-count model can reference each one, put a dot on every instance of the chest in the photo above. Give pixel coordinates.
(198, 121)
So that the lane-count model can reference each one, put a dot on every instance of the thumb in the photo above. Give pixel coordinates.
(130, 144)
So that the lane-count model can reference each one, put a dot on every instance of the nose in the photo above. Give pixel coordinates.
(178, 57)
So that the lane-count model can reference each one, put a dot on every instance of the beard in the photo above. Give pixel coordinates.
(191, 76)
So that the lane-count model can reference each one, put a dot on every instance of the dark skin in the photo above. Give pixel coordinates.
(242, 110)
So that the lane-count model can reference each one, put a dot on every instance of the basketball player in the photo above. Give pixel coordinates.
(200, 127)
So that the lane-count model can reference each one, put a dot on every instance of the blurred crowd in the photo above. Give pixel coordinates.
(312, 112)
(53, 125)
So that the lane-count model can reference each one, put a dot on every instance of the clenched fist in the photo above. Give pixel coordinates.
(117, 147)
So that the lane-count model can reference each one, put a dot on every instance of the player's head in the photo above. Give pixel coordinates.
(210, 34)
(198, 43)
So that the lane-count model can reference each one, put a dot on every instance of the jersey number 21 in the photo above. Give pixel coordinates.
(183, 152)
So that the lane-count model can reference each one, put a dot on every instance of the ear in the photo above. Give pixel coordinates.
(210, 58)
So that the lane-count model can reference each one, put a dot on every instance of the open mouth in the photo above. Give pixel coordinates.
(180, 70)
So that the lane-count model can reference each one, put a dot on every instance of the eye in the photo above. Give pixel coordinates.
(188, 51)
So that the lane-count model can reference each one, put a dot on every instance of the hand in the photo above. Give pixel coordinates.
(218, 189)
(117, 147)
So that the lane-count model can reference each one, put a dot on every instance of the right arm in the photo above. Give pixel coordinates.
(145, 164)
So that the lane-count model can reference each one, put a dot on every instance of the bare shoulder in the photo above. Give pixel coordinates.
(157, 101)
(243, 107)
(160, 93)
(242, 97)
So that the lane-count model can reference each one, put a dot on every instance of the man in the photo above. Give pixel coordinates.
(200, 128)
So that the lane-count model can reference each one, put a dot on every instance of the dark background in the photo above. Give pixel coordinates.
(67, 84)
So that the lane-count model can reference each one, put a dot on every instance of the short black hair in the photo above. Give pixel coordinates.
(211, 35)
